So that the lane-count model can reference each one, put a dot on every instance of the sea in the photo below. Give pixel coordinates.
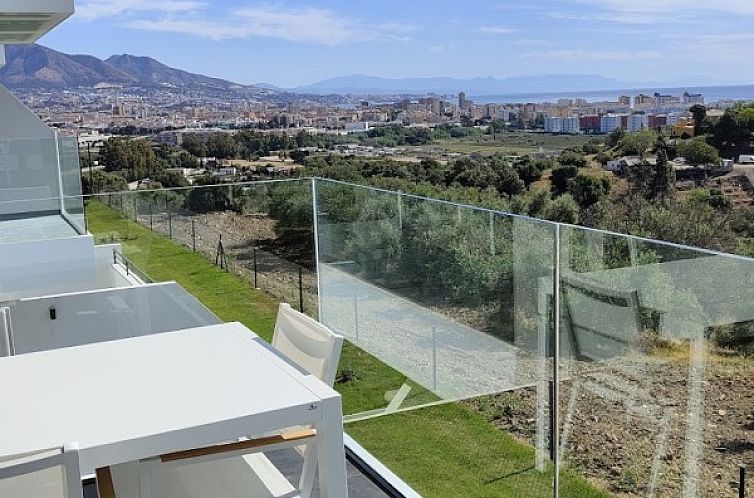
(711, 94)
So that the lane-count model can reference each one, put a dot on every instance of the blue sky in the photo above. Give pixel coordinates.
(296, 42)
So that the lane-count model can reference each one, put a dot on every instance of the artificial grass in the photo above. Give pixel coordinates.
(445, 451)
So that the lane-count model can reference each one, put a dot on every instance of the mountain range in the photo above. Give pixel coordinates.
(361, 84)
(36, 66)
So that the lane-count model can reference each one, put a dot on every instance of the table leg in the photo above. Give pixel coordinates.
(331, 455)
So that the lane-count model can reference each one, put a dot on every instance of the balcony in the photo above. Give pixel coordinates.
(446, 305)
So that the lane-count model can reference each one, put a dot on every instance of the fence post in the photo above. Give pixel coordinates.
(301, 288)
(151, 221)
(356, 317)
(434, 359)
(256, 272)
(115, 257)
(170, 224)
(193, 234)
(742, 481)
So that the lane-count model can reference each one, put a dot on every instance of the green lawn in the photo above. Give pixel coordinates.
(512, 143)
(444, 451)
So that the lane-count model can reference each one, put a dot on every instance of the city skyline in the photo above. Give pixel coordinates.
(290, 45)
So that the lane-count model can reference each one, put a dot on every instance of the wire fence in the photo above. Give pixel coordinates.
(235, 253)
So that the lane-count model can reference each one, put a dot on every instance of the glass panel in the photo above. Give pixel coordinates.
(654, 339)
(442, 303)
(261, 231)
(104, 316)
(444, 294)
(70, 180)
(29, 181)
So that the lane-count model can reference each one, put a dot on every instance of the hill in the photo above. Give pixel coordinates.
(361, 84)
(36, 66)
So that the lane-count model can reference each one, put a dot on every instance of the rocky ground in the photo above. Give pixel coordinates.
(626, 425)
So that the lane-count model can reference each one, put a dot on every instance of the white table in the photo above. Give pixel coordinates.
(140, 397)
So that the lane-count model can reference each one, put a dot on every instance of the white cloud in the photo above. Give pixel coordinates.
(306, 25)
(497, 30)
(643, 11)
(592, 55)
(97, 9)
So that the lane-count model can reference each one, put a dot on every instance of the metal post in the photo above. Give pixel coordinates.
(400, 209)
(256, 270)
(742, 481)
(301, 288)
(434, 359)
(151, 215)
(193, 234)
(170, 224)
(91, 166)
(356, 318)
(315, 217)
(115, 257)
(492, 233)
(555, 440)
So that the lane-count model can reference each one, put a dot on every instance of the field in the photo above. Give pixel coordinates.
(511, 143)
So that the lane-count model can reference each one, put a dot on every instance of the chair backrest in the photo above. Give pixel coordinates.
(604, 322)
(308, 343)
(6, 339)
(45, 474)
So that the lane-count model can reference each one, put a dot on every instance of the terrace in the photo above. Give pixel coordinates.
(453, 306)
(485, 354)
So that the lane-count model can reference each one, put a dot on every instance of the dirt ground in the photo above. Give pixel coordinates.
(626, 426)
(275, 273)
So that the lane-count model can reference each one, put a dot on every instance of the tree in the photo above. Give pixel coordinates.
(698, 152)
(663, 180)
(614, 138)
(527, 171)
(637, 143)
(134, 159)
(572, 158)
(587, 189)
(700, 115)
(560, 177)
(103, 182)
(564, 209)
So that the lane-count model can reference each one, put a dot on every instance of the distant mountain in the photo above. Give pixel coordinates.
(152, 72)
(36, 66)
(361, 84)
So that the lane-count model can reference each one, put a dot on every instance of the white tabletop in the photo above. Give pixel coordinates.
(140, 397)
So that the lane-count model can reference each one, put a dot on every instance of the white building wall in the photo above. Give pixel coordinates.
(637, 122)
(609, 123)
(571, 125)
(553, 125)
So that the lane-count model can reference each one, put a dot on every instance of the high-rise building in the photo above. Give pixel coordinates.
(625, 100)
(637, 122)
(610, 122)
(462, 100)
(693, 98)
(643, 100)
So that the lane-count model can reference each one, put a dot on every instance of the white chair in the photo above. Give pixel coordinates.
(6, 334)
(45, 474)
(239, 469)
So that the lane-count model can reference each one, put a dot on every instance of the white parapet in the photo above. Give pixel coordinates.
(25, 21)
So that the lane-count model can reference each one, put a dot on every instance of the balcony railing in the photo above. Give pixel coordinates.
(618, 358)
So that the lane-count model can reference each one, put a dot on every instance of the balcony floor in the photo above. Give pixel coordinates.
(359, 486)
(13, 231)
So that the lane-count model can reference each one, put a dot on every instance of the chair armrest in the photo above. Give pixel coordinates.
(287, 439)
(105, 486)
